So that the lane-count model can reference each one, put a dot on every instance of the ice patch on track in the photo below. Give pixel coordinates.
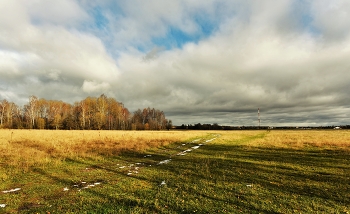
(133, 168)
(11, 190)
(207, 141)
(164, 161)
(193, 147)
(82, 185)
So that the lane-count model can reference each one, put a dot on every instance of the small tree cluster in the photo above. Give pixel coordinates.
(149, 119)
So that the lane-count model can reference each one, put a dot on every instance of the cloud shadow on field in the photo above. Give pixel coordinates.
(210, 178)
(74, 182)
(315, 174)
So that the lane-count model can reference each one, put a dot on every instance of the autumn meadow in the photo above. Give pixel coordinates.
(49, 171)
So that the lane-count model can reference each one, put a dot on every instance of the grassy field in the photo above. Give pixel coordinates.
(306, 171)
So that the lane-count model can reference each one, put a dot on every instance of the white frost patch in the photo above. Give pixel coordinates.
(189, 150)
(182, 153)
(164, 161)
(163, 183)
(83, 185)
(207, 141)
(2, 205)
(147, 156)
(65, 189)
(11, 190)
(249, 185)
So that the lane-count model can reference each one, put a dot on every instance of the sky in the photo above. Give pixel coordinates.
(212, 61)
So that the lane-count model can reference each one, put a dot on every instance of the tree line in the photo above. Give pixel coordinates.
(92, 113)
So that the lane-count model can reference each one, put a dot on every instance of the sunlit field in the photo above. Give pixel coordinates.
(30, 148)
(305, 171)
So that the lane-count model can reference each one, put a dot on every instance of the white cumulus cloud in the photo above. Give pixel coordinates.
(93, 86)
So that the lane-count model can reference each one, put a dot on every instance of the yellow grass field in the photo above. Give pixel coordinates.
(296, 139)
(277, 171)
(26, 148)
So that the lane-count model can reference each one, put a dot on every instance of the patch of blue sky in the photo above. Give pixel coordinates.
(176, 38)
(307, 22)
(303, 8)
(97, 22)
(142, 48)
(101, 22)
(99, 26)
(207, 26)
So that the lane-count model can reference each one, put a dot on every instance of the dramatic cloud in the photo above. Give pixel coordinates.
(207, 62)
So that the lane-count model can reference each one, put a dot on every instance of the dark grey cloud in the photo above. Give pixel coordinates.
(153, 53)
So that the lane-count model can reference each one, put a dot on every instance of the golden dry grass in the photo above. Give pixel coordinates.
(300, 139)
(25, 148)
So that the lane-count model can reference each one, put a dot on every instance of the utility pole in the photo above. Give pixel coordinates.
(259, 117)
